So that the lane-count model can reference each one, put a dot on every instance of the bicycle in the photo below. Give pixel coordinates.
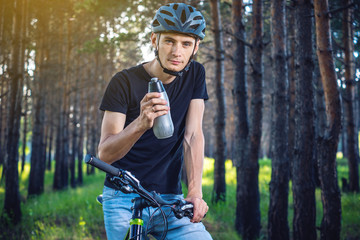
(127, 183)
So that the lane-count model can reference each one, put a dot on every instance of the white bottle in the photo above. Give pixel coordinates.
(163, 125)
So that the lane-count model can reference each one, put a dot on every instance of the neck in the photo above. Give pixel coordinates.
(154, 69)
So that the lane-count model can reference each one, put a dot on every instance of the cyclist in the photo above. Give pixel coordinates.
(127, 140)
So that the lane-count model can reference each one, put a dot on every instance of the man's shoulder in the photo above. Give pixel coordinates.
(135, 70)
(132, 74)
(196, 70)
(197, 65)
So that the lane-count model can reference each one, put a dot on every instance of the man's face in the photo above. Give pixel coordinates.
(174, 49)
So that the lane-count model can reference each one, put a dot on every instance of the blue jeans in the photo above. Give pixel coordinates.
(117, 215)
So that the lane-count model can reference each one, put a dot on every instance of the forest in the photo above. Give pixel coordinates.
(283, 77)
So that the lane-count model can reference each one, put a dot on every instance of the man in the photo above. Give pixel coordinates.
(127, 140)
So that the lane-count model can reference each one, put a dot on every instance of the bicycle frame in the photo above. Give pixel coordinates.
(136, 222)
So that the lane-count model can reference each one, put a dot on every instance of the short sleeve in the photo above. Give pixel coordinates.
(200, 91)
(116, 97)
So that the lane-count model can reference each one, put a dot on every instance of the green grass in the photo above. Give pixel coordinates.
(74, 213)
(66, 214)
(221, 217)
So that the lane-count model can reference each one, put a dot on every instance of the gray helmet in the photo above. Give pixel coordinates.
(179, 17)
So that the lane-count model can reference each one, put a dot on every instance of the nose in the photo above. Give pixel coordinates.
(176, 49)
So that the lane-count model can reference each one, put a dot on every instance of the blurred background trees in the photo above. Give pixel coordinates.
(268, 95)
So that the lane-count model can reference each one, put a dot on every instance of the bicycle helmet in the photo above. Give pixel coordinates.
(179, 17)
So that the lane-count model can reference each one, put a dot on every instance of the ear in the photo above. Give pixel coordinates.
(197, 43)
(153, 38)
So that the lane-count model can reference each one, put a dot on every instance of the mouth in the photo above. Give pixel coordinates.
(175, 62)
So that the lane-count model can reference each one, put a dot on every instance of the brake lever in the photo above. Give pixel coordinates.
(184, 209)
(121, 184)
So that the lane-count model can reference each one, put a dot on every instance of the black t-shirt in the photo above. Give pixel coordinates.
(156, 163)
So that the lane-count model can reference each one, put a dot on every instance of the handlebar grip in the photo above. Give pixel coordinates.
(90, 159)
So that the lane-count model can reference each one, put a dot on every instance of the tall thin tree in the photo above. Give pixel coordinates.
(291, 76)
(349, 99)
(240, 104)
(248, 196)
(37, 170)
(12, 194)
(220, 155)
(303, 184)
(279, 186)
(328, 141)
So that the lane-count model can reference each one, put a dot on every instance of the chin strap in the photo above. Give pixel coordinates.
(174, 73)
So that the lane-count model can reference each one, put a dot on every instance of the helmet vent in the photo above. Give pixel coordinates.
(198, 18)
(156, 23)
(169, 22)
(191, 9)
(195, 26)
(175, 7)
(183, 16)
(166, 13)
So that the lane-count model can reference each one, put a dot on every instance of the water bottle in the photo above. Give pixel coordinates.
(163, 125)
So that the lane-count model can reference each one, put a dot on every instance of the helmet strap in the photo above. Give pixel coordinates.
(174, 73)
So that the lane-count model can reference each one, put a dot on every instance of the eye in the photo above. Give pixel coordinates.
(187, 44)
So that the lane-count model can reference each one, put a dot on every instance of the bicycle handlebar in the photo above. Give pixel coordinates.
(89, 159)
(123, 179)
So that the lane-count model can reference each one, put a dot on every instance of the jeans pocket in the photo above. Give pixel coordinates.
(109, 193)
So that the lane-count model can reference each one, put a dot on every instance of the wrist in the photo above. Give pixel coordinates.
(139, 126)
(194, 195)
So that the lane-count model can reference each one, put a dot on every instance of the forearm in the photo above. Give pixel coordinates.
(194, 160)
(116, 146)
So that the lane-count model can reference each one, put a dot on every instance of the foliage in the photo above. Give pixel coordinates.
(74, 213)
(67, 214)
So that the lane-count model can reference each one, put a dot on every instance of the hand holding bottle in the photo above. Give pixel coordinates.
(163, 126)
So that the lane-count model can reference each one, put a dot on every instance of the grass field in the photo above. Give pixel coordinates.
(74, 213)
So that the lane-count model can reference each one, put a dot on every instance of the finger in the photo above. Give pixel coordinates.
(200, 209)
(159, 113)
(151, 95)
(153, 102)
(157, 108)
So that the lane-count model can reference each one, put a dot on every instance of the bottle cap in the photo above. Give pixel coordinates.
(155, 85)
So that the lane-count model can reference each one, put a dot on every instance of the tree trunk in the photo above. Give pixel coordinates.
(50, 144)
(38, 160)
(82, 123)
(352, 148)
(25, 125)
(328, 141)
(75, 141)
(220, 155)
(37, 170)
(58, 182)
(320, 116)
(279, 186)
(25, 100)
(303, 161)
(6, 46)
(292, 77)
(240, 88)
(12, 194)
(74, 106)
(62, 146)
(36, 186)
(240, 104)
(66, 104)
(248, 196)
